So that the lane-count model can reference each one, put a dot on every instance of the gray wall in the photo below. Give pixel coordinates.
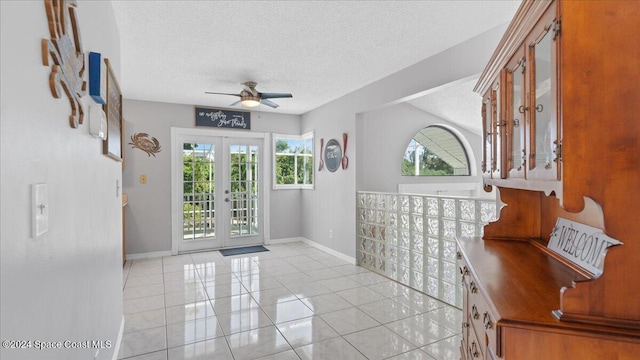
(383, 144)
(67, 283)
(325, 215)
(148, 217)
(332, 205)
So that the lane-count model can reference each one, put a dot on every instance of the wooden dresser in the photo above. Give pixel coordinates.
(561, 121)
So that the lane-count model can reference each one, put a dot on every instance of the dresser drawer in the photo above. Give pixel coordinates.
(482, 320)
(474, 347)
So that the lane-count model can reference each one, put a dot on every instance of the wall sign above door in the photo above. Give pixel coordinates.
(221, 118)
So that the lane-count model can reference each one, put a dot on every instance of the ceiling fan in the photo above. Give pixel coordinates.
(250, 97)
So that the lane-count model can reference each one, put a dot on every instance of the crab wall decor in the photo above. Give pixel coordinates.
(144, 142)
(65, 49)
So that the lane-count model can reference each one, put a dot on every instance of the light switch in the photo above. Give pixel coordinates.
(143, 179)
(40, 210)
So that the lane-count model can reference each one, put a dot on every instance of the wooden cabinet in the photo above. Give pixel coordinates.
(508, 307)
(516, 120)
(540, 108)
(562, 138)
(521, 103)
(480, 338)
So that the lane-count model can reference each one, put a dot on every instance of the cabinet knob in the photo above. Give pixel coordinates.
(458, 255)
(539, 108)
(522, 109)
(473, 288)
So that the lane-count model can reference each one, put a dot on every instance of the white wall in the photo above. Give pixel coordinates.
(383, 144)
(332, 206)
(148, 217)
(66, 284)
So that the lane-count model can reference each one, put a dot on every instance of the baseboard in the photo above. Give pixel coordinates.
(116, 348)
(335, 253)
(283, 240)
(149, 255)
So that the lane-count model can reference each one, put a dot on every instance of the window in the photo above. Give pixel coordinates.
(293, 161)
(435, 151)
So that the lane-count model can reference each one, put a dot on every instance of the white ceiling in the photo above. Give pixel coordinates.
(456, 103)
(174, 51)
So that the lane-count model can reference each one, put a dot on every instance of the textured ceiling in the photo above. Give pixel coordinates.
(174, 51)
(456, 103)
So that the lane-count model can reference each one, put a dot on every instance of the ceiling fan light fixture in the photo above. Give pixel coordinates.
(249, 100)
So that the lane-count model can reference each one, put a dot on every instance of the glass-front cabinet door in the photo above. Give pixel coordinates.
(497, 126)
(542, 107)
(487, 135)
(516, 116)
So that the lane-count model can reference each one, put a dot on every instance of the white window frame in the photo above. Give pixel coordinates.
(305, 136)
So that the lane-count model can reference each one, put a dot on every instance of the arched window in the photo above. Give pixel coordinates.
(435, 151)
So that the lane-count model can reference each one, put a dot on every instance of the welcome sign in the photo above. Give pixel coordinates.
(581, 244)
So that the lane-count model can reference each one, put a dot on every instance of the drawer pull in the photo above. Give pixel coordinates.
(464, 271)
(474, 312)
(473, 288)
(474, 350)
(487, 321)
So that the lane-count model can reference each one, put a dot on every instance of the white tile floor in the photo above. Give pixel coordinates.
(292, 302)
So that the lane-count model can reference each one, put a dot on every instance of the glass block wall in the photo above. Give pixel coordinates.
(411, 238)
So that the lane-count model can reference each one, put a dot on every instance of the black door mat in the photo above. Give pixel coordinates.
(243, 250)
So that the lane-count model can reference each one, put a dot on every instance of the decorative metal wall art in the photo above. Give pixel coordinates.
(146, 143)
(321, 166)
(65, 49)
(345, 159)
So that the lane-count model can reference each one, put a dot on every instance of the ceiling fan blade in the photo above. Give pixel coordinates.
(235, 103)
(269, 103)
(217, 93)
(275, 95)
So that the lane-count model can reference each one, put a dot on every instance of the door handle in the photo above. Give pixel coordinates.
(226, 200)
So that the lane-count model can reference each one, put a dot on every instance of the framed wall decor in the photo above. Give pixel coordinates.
(112, 147)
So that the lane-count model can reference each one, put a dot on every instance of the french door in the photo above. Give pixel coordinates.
(217, 185)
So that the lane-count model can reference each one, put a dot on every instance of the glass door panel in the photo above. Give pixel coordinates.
(542, 101)
(244, 192)
(516, 111)
(198, 173)
(217, 192)
(197, 166)
(488, 133)
(496, 126)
